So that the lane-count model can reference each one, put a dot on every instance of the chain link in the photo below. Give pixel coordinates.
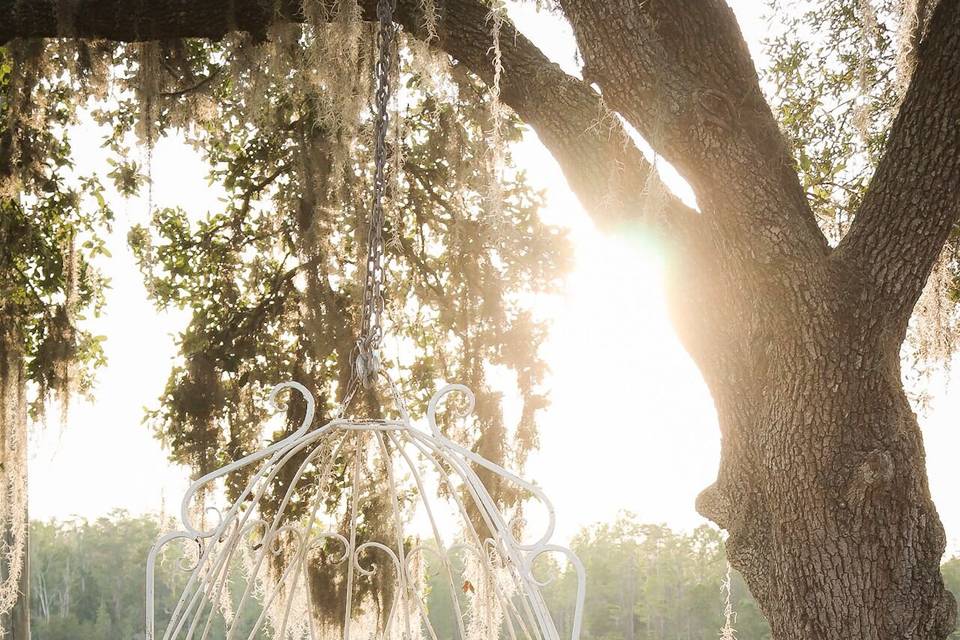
(366, 358)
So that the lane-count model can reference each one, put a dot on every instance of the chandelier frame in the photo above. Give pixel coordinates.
(506, 565)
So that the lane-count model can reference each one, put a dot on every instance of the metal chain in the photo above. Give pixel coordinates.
(366, 359)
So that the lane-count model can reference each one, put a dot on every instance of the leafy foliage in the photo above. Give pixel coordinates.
(52, 223)
(833, 82)
(272, 279)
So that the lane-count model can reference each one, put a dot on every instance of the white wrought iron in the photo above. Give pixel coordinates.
(498, 597)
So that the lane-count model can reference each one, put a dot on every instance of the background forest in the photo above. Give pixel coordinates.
(644, 581)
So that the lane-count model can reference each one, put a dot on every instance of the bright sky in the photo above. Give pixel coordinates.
(631, 425)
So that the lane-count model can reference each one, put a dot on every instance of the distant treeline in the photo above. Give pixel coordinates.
(643, 581)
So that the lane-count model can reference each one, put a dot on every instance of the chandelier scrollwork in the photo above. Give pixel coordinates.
(255, 562)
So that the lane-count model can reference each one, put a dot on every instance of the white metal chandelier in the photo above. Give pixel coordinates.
(254, 567)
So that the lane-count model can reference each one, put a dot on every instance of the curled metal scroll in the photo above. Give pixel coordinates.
(408, 465)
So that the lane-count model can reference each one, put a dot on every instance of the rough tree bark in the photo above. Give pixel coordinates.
(822, 483)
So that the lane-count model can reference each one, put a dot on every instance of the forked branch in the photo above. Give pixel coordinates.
(913, 201)
(681, 73)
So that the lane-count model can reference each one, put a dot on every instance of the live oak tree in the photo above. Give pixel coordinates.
(822, 484)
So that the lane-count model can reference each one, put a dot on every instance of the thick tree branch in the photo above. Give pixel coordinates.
(914, 198)
(680, 72)
(604, 168)
(606, 171)
(136, 20)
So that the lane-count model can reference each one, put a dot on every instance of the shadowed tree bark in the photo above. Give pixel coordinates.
(822, 483)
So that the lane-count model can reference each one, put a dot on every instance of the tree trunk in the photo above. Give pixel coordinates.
(822, 484)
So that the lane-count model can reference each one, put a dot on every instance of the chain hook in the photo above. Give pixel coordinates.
(366, 365)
